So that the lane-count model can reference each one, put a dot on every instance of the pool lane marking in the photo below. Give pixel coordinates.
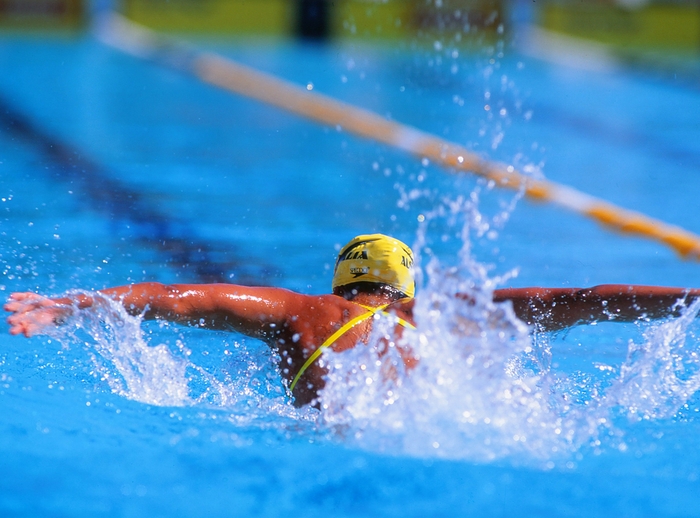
(186, 252)
(118, 32)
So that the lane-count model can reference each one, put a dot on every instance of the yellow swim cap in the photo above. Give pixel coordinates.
(376, 258)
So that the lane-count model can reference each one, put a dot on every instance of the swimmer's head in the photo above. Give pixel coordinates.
(378, 260)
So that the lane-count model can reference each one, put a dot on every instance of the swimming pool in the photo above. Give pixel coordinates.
(114, 170)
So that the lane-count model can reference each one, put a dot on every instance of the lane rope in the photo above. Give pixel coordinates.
(118, 32)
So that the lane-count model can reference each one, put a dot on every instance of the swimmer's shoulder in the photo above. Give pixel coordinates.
(403, 309)
(404, 305)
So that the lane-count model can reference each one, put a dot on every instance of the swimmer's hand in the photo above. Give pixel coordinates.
(32, 313)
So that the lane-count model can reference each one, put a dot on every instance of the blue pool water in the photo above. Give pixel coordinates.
(114, 171)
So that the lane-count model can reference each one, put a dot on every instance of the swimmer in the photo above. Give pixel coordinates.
(373, 274)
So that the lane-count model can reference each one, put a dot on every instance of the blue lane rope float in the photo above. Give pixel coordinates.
(118, 32)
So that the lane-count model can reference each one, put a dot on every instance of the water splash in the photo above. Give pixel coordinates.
(246, 386)
(485, 387)
(661, 373)
(121, 356)
(482, 391)
(470, 395)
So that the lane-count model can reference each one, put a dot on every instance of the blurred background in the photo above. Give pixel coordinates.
(633, 27)
(556, 88)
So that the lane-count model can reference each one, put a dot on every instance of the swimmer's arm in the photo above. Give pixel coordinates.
(249, 310)
(254, 311)
(31, 313)
(557, 308)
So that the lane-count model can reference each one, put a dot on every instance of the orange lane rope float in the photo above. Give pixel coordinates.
(119, 32)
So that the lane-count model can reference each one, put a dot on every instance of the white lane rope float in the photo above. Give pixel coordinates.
(118, 32)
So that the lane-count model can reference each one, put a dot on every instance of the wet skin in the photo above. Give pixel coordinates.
(292, 323)
(296, 325)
